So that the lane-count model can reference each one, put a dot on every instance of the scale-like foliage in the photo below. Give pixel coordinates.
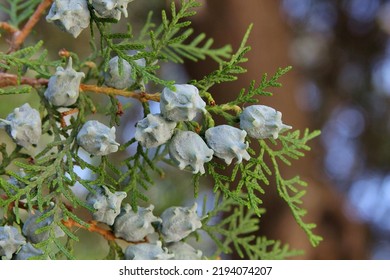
(238, 226)
(138, 178)
(256, 173)
(228, 70)
(291, 189)
(19, 10)
(51, 174)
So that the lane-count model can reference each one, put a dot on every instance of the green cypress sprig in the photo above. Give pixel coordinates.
(19, 10)
(291, 189)
(247, 189)
(251, 95)
(228, 71)
(16, 90)
(238, 227)
(29, 58)
(51, 173)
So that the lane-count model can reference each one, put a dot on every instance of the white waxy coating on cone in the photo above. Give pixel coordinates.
(31, 226)
(147, 251)
(184, 251)
(261, 122)
(154, 130)
(10, 241)
(179, 222)
(228, 143)
(113, 78)
(27, 251)
(111, 8)
(106, 204)
(181, 104)
(97, 139)
(135, 226)
(71, 16)
(187, 148)
(64, 87)
(24, 126)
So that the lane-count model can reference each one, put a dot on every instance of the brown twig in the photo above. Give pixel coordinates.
(142, 97)
(67, 113)
(120, 111)
(20, 36)
(12, 80)
(93, 227)
(8, 27)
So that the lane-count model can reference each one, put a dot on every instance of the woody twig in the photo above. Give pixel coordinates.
(93, 227)
(12, 80)
(20, 36)
(8, 27)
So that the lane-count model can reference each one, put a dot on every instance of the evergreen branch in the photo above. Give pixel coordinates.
(245, 188)
(63, 250)
(108, 45)
(53, 230)
(137, 177)
(238, 227)
(147, 27)
(15, 90)
(165, 42)
(115, 251)
(255, 172)
(20, 37)
(288, 189)
(228, 70)
(271, 250)
(249, 96)
(193, 50)
(222, 183)
(246, 96)
(165, 33)
(47, 184)
(19, 10)
(23, 60)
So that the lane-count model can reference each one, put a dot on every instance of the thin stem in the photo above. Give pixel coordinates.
(69, 223)
(20, 36)
(12, 80)
(142, 97)
(93, 227)
(8, 27)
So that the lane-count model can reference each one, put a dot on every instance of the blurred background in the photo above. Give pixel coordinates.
(339, 51)
(340, 83)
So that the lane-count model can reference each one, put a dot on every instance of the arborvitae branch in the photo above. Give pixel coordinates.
(20, 36)
(49, 176)
(238, 227)
(288, 189)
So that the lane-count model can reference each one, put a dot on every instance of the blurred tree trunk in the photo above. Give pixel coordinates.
(226, 21)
